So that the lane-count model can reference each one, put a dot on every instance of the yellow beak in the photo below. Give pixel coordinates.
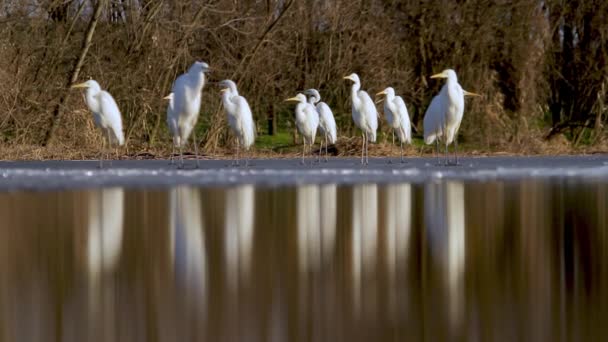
(347, 78)
(439, 75)
(381, 93)
(80, 85)
(224, 90)
(292, 99)
(468, 93)
(167, 97)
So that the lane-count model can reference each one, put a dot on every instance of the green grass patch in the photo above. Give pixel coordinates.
(276, 142)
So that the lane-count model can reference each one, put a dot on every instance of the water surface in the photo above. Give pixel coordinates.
(441, 260)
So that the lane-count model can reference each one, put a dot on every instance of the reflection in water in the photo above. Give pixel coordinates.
(397, 216)
(104, 243)
(105, 229)
(238, 232)
(187, 243)
(364, 240)
(520, 261)
(444, 213)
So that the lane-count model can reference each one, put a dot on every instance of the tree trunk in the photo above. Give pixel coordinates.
(86, 44)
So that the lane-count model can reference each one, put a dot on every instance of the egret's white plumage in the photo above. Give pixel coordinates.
(172, 122)
(364, 114)
(433, 121)
(445, 112)
(307, 121)
(239, 116)
(187, 92)
(105, 112)
(327, 123)
(397, 117)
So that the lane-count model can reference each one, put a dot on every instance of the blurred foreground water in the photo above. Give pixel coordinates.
(486, 261)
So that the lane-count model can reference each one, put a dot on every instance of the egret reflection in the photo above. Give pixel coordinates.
(238, 232)
(329, 208)
(364, 237)
(187, 243)
(397, 224)
(104, 230)
(308, 227)
(444, 215)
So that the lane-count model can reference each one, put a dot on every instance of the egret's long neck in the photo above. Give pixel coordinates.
(228, 104)
(390, 103)
(92, 101)
(314, 98)
(452, 87)
(199, 81)
(233, 90)
(171, 104)
(353, 93)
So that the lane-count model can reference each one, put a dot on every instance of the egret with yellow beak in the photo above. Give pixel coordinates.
(444, 115)
(187, 96)
(364, 115)
(327, 123)
(307, 122)
(397, 117)
(105, 113)
(239, 117)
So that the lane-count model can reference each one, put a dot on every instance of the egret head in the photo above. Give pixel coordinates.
(312, 92)
(298, 98)
(168, 97)
(353, 77)
(447, 73)
(388, 91)
(228, 85)
(199, 67)
(90, 84)
(314, 95)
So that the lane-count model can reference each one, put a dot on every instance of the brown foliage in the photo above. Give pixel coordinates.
(537, 63)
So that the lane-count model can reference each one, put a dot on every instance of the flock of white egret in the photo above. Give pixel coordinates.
(441, 120)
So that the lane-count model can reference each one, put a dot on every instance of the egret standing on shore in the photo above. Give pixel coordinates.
(105, 113)
(364, 114)
(397, 117)
(307, 121)
(445, 113)
(187, 92)
(327, 124)
(239, 117)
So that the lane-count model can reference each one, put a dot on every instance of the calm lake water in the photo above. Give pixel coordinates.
(474, 261)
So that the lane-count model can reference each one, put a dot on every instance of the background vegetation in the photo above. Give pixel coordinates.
(540, 65)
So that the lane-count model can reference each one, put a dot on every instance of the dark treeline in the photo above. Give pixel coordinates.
(540, 65)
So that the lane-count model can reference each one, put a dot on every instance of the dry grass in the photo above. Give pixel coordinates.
(346, 147)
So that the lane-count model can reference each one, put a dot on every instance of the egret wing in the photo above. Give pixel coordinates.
(327, 121)
(371, 114)
(111, 116)
(433, 120)
(404, 120)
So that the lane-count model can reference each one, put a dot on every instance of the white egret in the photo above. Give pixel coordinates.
(105, 113)
(327, 124)
(172, 123)
(364, 114)
(239, 117)
(187, 92)
(397, 117)
(445, 113)
(307, 121)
